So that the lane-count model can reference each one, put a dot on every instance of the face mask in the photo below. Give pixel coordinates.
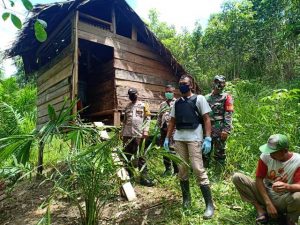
(132, 97)
(184, 88)
(169, 95)
(219, 86)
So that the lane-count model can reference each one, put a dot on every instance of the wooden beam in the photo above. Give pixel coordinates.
(75, 70)
(144, 69)
(117, 118)
(81, 14)
(113, 19)
(103, 113)
(143, 78)
(97, 35)
(133, 33)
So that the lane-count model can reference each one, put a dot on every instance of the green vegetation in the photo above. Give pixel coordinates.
(255, 44)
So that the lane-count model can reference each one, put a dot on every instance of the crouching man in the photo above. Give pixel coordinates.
(276, 189)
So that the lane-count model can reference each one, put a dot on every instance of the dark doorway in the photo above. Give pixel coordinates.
(95, 80)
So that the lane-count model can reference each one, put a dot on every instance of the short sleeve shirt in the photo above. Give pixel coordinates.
(192, 134)
(271, 169)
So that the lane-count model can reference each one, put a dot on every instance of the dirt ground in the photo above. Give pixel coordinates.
(23, 207)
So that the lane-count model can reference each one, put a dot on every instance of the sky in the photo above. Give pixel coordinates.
(174, 12)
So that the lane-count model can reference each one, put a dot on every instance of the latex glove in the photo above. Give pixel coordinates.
(206, 146)
(166, 144)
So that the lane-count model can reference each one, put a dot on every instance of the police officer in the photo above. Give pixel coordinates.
(135, 128)
(186, 114)
(163, 119)
(221, 104)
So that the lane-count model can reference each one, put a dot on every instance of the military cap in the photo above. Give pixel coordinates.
(219, 78)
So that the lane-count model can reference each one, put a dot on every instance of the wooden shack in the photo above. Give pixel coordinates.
(95, 51)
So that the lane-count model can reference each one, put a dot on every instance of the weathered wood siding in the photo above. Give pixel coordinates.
(100, 90)
(54, 85)
(136, 65)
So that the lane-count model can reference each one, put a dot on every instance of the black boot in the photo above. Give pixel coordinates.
(209, 210)
(146, 182)
(144, 179)
(186, 195)
(167, 163)
(175, 167)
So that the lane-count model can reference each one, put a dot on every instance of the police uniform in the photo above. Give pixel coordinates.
(221, 120)
(136, 123)
(163, 119)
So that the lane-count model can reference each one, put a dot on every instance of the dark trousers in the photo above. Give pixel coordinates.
(167, 162)
(130, 150)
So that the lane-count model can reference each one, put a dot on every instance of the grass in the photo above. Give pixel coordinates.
(230, 209)
(259, 112)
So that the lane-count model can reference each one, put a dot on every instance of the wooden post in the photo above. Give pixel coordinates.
(113, 20)
(40, 159)
(117, 118)
(133, 33)
(75, 62)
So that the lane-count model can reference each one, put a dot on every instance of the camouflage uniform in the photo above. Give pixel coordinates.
(136, 123)
(221, 120)
(163, 119)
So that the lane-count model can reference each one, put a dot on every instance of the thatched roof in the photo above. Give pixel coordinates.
(53, 14)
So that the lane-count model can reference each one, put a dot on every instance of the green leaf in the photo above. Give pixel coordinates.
(16, 21)
(5, 16)
(12, 3)
(52, 113)
(39, 30)
(43, 23)
(27, 4)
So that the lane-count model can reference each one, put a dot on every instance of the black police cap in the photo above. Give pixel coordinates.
(132, 91)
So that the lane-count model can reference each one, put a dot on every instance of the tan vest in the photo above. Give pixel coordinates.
(137, 119)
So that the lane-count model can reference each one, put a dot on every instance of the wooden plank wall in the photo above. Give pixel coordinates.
(54, 85)
(100, 91)
(136, 65)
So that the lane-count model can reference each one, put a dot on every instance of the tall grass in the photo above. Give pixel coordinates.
(88, 177)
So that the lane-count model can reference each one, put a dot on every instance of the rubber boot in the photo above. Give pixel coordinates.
(175, 167)
(186, 195)
(146, 182)
(209, 209)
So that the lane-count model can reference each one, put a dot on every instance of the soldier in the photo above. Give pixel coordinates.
(189, 113)
(163, 121)
(135, 128)
(221, 104)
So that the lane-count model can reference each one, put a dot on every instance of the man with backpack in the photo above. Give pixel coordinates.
(189, 113)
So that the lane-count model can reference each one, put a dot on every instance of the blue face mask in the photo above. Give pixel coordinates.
(184, 88)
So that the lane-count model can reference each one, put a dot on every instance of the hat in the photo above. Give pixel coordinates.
(219, 78)
(275, 143)
(132, 91)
